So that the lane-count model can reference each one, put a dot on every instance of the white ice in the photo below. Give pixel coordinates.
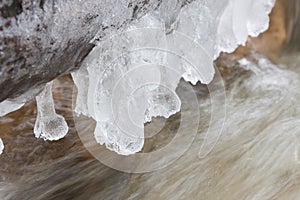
(48, 125)
(8, 106)
(131, 77)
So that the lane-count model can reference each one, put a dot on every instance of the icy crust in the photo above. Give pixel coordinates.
(132, 76)
(1, 146)
(48, 125)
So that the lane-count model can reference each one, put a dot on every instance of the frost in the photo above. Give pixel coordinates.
(1, 146)
(48, 125)
(132, 76)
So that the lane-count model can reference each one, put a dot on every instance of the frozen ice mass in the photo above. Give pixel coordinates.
(131, 76)
(1, 146)
(132, 73)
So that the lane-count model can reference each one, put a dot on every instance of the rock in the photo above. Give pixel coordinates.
(41, 40)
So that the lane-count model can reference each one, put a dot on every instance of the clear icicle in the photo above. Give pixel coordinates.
(48, 125)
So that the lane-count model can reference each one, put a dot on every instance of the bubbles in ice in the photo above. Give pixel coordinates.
(162, 102)
(48, 125)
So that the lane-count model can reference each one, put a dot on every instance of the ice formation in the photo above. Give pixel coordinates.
(1, 146)
(48, 125)
(132, 76)
(8, 106)
(132, 73)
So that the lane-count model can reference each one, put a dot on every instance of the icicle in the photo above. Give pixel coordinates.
(48, 125)
(1, 146)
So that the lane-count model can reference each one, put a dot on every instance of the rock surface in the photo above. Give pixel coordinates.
(41, 40)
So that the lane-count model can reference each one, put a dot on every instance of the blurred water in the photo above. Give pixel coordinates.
(292, 12)
(258, 103)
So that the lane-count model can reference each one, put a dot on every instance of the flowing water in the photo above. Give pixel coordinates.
(256, 156)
